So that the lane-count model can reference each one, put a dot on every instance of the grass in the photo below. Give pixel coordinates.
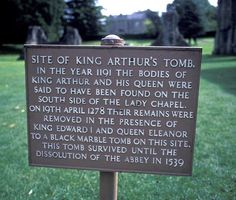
(214, 174)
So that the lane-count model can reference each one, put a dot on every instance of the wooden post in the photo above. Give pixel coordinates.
(108, 185)
(109, 180)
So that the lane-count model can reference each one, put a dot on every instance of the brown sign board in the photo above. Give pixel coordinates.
(124, 109)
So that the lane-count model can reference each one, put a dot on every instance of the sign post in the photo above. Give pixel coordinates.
(112, 109)
(108, 185)
(109, 180)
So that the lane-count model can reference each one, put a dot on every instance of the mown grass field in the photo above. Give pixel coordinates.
(214, 169)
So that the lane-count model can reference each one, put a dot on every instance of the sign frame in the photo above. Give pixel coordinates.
(108, 49)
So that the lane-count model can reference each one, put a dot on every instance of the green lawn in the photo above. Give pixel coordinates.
(214, 169)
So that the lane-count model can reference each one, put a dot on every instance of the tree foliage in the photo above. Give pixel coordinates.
(85, 16)
(190, 24)
(208, 15)
(17, 15)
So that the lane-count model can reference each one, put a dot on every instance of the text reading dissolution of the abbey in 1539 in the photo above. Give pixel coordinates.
(113, 109)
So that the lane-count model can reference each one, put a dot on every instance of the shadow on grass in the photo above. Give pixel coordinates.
(221, 71)
(214, 58)
(11, 49)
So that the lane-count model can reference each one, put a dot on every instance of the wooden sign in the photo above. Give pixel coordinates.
(130, 109)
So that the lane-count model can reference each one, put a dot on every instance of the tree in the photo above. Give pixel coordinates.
(17, 15)
(225, 40)
(153, 23)
(190, 24)
(85, 16)
(208, 15)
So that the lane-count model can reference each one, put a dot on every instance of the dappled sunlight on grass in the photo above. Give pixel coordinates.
(220, 71)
